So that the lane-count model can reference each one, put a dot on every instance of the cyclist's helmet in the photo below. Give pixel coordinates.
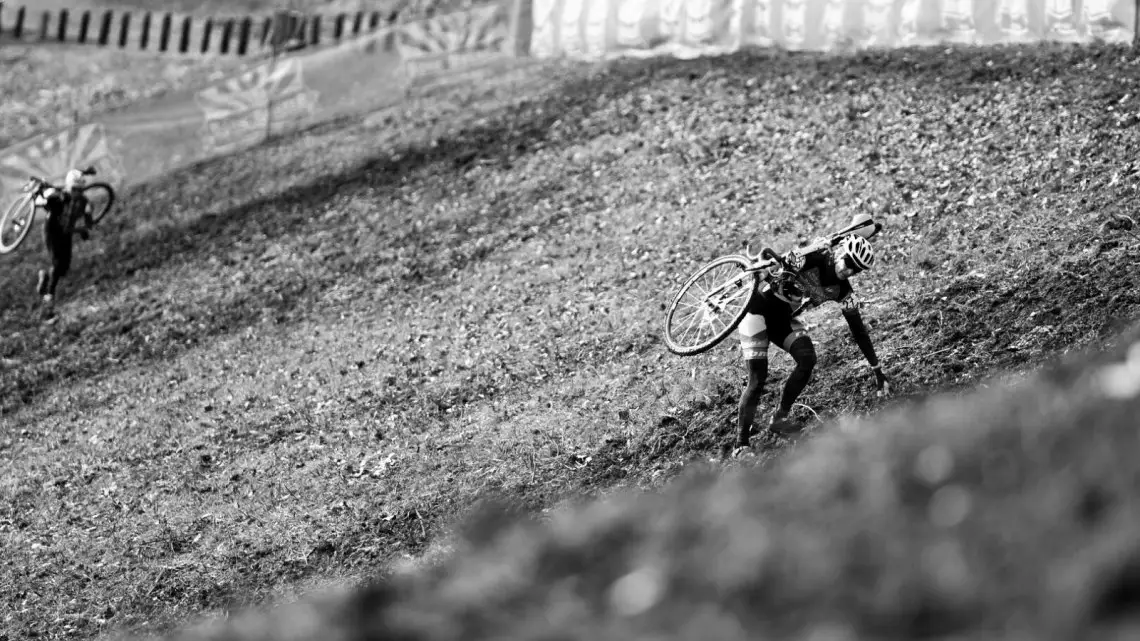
(75, 179)
(857, 252)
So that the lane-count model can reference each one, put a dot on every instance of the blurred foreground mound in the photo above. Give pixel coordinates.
(1008, 513)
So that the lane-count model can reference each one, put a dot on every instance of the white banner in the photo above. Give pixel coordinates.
(574, 28)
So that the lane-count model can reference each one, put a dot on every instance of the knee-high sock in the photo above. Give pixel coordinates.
(803, 351)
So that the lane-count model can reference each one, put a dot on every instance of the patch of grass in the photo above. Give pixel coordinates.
(303, 362)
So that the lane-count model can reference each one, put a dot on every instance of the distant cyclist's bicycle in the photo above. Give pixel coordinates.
(19, 217)
(714, 300)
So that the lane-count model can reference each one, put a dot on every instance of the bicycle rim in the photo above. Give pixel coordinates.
(709, 306)
(17, 222)
(102, 198)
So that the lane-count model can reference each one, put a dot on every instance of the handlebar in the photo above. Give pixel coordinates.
(771, 255)
(35, 183)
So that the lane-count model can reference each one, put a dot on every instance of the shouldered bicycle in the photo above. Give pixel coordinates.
(19, 217)
(711, 303)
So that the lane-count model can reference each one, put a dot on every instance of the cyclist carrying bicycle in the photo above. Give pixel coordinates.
(814, 275)
(65, 207)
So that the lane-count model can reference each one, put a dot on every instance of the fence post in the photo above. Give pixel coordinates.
(20, 23)
(338, 27)
(105, 28)
(184, 44)
(62, 33)
(205, 48)
(374, 21)
(227, 31)
(124, 30)
(45, 21)
(144, 37)
(243, 35)
(1135, 22)
(164, 36)
(266, 29)
(316, 30)
(84, 23)
(358, 23)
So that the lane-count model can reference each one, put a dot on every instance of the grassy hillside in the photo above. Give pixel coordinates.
(1006, 514)
(300, 363)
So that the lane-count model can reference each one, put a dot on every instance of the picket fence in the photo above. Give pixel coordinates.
(173, 33)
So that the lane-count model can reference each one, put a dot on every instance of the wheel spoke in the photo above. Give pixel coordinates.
(705, 311)
(695, 319)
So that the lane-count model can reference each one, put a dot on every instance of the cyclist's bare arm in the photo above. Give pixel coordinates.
(851, 313)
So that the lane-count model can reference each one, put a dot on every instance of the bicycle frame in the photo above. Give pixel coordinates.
(719, 290)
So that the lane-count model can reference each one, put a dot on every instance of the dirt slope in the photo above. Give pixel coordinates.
(298, 364)
(1005, 514)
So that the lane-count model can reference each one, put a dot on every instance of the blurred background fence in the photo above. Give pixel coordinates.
(270, 95)
(173, 33)
(353, 63)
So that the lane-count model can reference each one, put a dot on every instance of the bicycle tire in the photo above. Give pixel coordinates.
(730, 306)
(24, 203)
(100, 208)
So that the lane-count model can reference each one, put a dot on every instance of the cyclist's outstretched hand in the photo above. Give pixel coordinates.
(882, 384)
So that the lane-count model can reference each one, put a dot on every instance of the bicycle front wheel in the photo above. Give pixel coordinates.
(710, 305)
(16, 223)
(101, 196)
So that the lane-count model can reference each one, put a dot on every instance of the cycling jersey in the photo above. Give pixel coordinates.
(64, 210)
(812, 281)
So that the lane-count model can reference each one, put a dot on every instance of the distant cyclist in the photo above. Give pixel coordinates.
(65, 208)
(816, 274)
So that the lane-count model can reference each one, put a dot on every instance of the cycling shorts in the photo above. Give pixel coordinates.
(768, 321)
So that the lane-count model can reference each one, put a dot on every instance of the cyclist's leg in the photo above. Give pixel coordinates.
(50, 237)
(753, 334)
(799, 345)
(47, 232)
(60, 260)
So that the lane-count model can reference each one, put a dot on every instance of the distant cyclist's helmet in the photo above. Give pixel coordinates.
(75, 179)
(857, 252)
